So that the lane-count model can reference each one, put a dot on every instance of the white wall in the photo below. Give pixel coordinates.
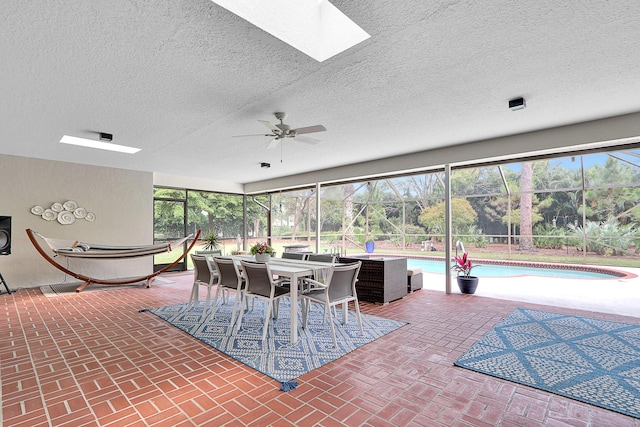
(176, 181)
(122, 201)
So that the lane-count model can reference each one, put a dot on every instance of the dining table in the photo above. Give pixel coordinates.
(294, 270)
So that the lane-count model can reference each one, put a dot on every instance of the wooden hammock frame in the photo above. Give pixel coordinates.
(89, 280)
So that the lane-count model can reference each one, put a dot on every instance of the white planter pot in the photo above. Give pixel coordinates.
(263, 257)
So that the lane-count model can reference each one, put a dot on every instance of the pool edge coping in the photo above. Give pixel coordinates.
(617, 274)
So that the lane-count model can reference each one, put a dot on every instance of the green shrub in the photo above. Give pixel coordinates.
(471, 234)
(543, 236)
(414, 234)
(604, 238)
(482, 241)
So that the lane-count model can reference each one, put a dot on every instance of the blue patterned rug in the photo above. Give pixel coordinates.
(276, 357)
(590, 360)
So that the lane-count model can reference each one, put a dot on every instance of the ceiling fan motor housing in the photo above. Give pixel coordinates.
(285, 129)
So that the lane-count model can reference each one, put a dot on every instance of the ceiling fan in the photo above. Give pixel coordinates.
(282, 130)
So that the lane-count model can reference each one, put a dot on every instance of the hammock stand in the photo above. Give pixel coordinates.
(111, 252)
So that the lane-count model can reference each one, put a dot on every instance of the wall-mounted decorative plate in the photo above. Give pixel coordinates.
(66, 218)
(66, 213)
(80, 212)
(70, 205)
(49, 215)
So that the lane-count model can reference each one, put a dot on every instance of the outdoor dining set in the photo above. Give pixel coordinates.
(308, 278)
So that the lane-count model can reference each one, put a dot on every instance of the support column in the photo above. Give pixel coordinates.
(447, 226)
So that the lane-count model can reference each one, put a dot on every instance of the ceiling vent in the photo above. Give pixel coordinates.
(517, 104)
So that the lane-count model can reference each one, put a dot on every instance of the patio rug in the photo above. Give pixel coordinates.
(591, 360)
(276, 357)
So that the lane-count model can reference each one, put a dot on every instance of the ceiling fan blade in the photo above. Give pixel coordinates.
(271, 126)
(253, 134)
(273, 143)
(307, 139)
(310, 129)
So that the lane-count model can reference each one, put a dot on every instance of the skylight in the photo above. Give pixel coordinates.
(314, 27)
(73, 140)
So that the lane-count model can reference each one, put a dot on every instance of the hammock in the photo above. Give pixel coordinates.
(76, 249)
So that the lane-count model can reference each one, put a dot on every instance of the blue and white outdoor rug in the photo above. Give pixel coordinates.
(590, 360)
(276, 357)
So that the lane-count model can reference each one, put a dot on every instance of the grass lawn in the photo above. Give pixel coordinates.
(492, 252)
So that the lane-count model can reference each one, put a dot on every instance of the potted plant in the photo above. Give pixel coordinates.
(466, 282)
(262, 252)
(369, 245)
(211, 242)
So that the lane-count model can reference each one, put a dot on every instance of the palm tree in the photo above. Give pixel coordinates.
(526, 207)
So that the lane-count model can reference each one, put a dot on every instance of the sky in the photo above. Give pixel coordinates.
(573, 162)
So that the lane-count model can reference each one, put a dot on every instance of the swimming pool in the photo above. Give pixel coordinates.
(506, 270)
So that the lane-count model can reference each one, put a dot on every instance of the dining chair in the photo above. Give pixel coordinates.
(294, 255)
(204, 274)
(212, 253)
(229, 280)
(301, 256)
(327, 258)
(321, 258)
(261, 285)
(339, 289)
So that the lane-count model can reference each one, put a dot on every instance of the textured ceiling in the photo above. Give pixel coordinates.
(180, 78)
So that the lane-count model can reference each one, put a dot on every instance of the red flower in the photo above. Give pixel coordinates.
(261, 248)
(463, 265)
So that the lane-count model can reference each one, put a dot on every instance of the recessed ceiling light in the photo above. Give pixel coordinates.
(314, 27)
(83, 142)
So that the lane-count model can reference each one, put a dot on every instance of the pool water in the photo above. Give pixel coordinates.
(492, 270)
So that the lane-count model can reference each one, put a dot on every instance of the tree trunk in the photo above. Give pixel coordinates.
(348, 211)
(210, 222)
(526, 207)
(256, 227)
(296, 219)
(300, 207)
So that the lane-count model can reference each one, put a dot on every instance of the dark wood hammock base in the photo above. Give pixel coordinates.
(89, 280)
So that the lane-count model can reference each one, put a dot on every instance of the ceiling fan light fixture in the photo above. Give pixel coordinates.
(100, 145)
(315, 27)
